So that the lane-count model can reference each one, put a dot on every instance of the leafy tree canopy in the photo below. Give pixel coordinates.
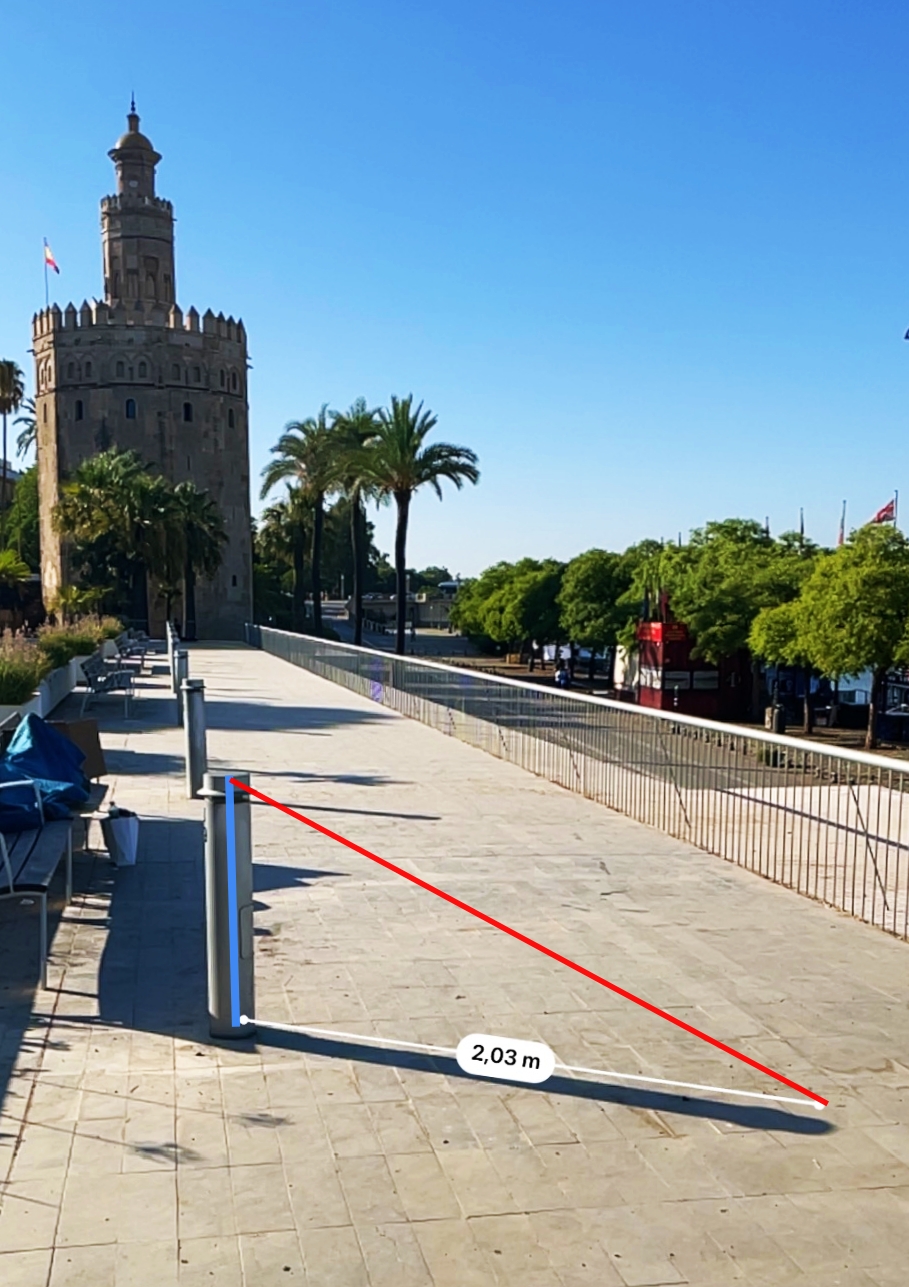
(590, 598)
(511, 603)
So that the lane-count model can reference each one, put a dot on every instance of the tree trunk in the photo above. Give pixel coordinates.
(357, 535)
(403, 502)
(808, 713)
(877, 696)
(3, 492)
(189, 601)
(755, 689)
(318, 520)
(298, 602)
(139, 604)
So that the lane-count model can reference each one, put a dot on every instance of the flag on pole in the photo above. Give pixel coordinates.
(886, 514)
(49, 261)
(842, 536)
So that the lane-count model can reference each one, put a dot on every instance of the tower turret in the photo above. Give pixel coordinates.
(137, 228)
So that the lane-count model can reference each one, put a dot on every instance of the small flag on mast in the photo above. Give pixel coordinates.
(49, 261)
(842, 536)
(886, 514)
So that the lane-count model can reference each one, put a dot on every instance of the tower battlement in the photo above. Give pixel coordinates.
(132, 201)
(98, 314)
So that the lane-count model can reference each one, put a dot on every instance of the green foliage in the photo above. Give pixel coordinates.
(12, 570)
(512, 603)
(591, 598)
(28, 436)
(22, 530)
(776, 635)
(22, 667)
(719, 582)
(59, 644)
(855, 606)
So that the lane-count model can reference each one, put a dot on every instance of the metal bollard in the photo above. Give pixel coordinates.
(171, 645)
(228, 906)
(181, 673)
(194, 729)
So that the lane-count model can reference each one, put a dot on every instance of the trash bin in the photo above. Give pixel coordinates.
(120, 829)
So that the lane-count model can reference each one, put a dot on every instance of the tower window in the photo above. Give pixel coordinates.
(120, 368)
(197, 374)
(88, 370)
(130, 408)
(70, 371)
(230, 418)
(44, 413)
(223, 381)
(233, 381)
(233, 579)
(79, 409)
(143, 370)
(187, 412)
(175, 372)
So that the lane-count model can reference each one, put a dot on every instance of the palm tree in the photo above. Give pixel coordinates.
(355, 429)
(398, 463)
(28, 436)
(307, 454)
(114, 503)
(201, 536)
(12, 391)
(282, 539)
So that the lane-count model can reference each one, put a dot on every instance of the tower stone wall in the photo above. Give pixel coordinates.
(136, 373)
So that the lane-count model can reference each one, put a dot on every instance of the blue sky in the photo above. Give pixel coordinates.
(650, 260)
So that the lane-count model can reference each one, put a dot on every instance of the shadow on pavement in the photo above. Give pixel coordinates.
(260, 717)
(152, 972)
(751, 1116)
(267, 875)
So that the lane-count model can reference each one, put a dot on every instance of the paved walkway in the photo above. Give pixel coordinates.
(136, 1153)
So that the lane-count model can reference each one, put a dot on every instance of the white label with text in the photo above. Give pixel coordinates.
(484, 1056)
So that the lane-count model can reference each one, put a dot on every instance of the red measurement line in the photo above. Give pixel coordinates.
(531, 942)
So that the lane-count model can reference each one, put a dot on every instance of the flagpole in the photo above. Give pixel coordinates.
(896, 506)
(46, 294)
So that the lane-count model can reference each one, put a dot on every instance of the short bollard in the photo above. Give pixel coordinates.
(228, 906)
(171, 648)
(194, 729)
(181, 672)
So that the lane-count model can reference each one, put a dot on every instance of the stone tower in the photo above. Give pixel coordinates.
(135, 373)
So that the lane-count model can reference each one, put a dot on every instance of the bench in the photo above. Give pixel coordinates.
(29, 859)
(99, 678)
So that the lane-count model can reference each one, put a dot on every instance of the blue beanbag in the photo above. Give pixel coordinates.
(42, 753)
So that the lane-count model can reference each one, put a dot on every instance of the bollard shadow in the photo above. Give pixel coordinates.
(752, 1117)
(267, 876)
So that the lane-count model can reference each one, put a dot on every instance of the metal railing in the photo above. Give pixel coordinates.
(831, 824)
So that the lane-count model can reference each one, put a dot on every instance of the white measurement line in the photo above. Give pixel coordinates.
(569, 1068)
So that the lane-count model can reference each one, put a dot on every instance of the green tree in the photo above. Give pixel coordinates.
(201, 538)
(854, 611)
(719, 582)
(281, 543)
(23, 526)
(307, 453)
(12, 392)
(355, 428)
(776, 636)
(399, 462)
(512, 604)
(122, 519)
(591, 600)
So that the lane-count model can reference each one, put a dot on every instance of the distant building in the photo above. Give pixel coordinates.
(135, 373)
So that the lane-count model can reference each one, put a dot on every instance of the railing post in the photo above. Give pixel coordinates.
(181, 673)
(194, 729)
(228, 906)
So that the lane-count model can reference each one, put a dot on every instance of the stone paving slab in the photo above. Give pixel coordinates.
(133, 1150)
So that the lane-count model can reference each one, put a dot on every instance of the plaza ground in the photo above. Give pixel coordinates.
(135, 1151)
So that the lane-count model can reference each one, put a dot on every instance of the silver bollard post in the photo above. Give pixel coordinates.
(194, 729)
(228, 906)
(181, 673)
(171, 645)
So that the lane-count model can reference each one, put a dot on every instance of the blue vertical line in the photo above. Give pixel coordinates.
(233, 913)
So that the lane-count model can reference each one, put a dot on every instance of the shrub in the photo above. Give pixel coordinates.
(22, 667)
(80, 639)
